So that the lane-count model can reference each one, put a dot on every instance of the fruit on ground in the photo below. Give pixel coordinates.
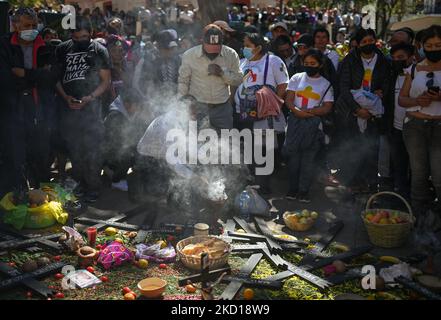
(162, 266)
(190, 288)
(142, 263)
(104, 279)
(59, 295)
(43, 261)
(248, 294)
(90, 269)
(126, 290)
(29, 266)
(340, 266)
(110, 231)
(129, 296)
(59, 276)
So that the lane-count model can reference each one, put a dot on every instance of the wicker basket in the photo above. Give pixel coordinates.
(388, 235)
(296, 226)
(195, 263)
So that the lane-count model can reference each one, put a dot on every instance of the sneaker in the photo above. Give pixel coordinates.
(304, 198)
(291, 196)
(90, 197)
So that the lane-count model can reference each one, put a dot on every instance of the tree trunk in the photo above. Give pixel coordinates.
(213, 10)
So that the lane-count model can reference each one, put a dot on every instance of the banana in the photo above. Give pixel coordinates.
(340, 247)
(388, 296)
(390, 259)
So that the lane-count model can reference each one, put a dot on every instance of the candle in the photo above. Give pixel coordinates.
(91, 236)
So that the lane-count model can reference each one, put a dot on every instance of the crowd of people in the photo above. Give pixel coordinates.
(339, 99)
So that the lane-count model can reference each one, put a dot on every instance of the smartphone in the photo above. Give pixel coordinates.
(434, 89)
(76, 101)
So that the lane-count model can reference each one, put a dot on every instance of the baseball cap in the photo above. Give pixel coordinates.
(306, 40)
(223, 25)
(279, 24)
(213, 38)
(167, 39)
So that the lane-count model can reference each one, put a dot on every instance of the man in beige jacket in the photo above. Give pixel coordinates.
(207, 73)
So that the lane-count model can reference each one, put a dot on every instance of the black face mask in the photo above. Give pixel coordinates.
(81, 45)
(399, 65)
(368, 49)
(112, 30)
(311, 71)
(433, 56)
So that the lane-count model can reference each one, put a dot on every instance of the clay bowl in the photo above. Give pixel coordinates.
(152, 287)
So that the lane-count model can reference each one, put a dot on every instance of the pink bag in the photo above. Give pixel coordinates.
(268, 102)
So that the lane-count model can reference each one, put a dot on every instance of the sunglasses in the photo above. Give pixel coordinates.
(430, 82)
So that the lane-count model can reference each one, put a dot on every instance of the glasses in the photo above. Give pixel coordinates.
(431, 80)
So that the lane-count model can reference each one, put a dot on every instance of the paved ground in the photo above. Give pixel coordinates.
(326, 202)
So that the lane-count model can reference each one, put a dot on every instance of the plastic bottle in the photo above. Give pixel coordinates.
(244, 205)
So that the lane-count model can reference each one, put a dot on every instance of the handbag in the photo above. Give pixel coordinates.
(268, 102)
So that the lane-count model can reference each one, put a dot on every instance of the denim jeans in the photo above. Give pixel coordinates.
(301, 166)
(400, 162)
(423, 142)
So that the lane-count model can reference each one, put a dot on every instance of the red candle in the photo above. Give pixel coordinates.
(91, 236)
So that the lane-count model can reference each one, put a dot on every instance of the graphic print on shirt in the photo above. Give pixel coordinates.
(367, 79)
(76, 67)
(251, 74)
(306, 95)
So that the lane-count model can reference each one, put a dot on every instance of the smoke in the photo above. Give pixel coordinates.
(189, 185)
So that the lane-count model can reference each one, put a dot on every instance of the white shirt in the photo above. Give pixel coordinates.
(369, 66)
(334, 57)
(400, 112)
(419, 87)
(309, 91)
(253, 72)
(254, 76)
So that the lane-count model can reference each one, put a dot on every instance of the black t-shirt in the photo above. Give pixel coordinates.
(80, 76)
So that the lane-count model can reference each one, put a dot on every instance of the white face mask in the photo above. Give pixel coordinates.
(29, 35)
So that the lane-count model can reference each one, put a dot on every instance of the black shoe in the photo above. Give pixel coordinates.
(90, 197)
(291, 196)
(304, 198)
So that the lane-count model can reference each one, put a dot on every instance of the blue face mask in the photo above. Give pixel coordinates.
(29, 35)
(422, 53)
(248, 53)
